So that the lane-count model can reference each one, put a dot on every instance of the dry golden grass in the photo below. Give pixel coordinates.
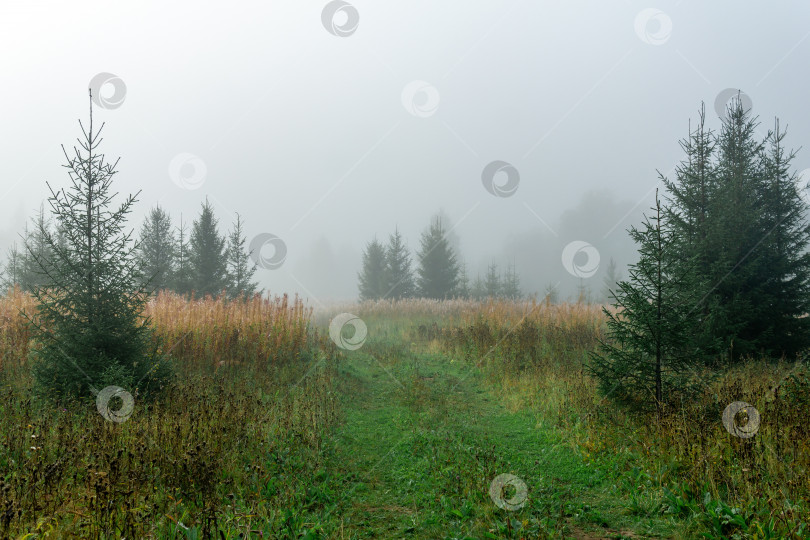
(14, 333)
(262, 331)
(464, 310)
(259, 330)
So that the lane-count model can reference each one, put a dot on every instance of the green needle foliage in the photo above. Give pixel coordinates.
(692, 214)
(735, 211)
(157, 249)
(611, 280)
(208, 254)
(22, 266)
(373, 277)
(12, 271)
(183, 272)
(463, 289)
(492, 282)
(398, 268)
(511, 284)
(240, 267)
(738, 266)
(780, 324)
(89, 327)
(438, 271)
(648, 361)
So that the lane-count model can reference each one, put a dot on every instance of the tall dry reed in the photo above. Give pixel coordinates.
(261, 331)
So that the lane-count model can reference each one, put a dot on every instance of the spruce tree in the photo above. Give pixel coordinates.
(12, 269)
(648, 360)
(492, 282)
(373, 279)
(35, 252)
(89, 326)
(551, 294)
(438, 271)
(478, 290)
(738, 266)
(463, 287)
(207, 255)
(399, 280)
(735, 211)
(510, 288)
(611, 280)
(778, 316)
(584, 295)
(183, 272)
(692, 211)
(690, 195)
(157, 250)
(240, 267)
(27, 277)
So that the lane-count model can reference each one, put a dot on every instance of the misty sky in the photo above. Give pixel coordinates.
(327, 140)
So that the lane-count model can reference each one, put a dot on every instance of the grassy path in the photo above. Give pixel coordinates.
(421, 441)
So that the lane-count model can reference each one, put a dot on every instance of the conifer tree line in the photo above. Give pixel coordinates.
(182, 259)
(723, 271)
(388, 271)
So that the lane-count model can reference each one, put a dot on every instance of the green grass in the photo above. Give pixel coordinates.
(423, 437)
(399, 439)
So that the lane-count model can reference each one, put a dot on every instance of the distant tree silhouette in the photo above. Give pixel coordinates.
(611, 281)
(492, 281)
(240, 267)
(510, 286)
(11, 273)
(551, 294)
(463, 289)
(157, 250)
(373, 279)
(478, 290)
(22, 263)
(438, 270)
(183, 272)
(207, 254)
(399, 276)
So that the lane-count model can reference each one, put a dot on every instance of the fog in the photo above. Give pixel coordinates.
(327, 134)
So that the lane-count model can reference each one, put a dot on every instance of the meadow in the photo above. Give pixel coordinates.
(270, 430)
